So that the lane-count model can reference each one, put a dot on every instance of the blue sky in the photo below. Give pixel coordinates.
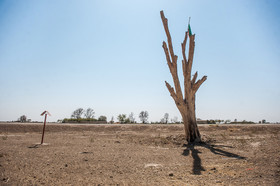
(107, 55)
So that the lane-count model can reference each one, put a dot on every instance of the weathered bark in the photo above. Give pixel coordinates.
(186, 104)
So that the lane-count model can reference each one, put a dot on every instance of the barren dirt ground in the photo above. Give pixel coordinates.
(138, 155)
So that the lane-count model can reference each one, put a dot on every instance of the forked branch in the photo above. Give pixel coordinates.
(191, 54)
(172, 92)
(198, 83)
(169, 40)
(172, 62)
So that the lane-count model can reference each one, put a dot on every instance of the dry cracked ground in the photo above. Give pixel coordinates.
(138, 155)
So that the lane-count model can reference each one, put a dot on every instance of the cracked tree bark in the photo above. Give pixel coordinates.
(186, 104)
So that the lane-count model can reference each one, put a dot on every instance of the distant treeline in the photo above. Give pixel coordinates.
(242, 122)
(84, 120)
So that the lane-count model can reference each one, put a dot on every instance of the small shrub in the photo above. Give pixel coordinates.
(215, 125)
(102, 118)
(91, 139)
(211, 121)
(242, 141)
(251, 135)
(4, 137)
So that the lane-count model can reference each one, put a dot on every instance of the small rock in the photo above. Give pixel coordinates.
(5, 179)
(66, 165)
(85, 152)
(111, 176)
(171, 174)
(153, 165)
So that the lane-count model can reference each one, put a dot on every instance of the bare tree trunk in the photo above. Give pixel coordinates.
(186, 103)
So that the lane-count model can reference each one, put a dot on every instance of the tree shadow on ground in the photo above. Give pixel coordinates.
(197, 166)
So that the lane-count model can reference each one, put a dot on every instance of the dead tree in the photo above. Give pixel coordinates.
(186, 104)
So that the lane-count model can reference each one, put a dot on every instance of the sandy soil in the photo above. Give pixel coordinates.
(138, 155)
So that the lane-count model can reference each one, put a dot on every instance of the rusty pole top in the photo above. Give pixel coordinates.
(45, 112)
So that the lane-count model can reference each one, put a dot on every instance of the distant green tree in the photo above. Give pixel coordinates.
(218, 120)
(78, 113)
(102, 118)
(131, 118)
(144, 116)
(89, 113)
(122, 118)
(22, 118)
(211, 121)
(166, 118)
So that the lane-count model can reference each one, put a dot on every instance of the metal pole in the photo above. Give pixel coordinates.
(44, 129)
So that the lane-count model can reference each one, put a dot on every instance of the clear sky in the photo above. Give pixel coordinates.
(107, 55)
